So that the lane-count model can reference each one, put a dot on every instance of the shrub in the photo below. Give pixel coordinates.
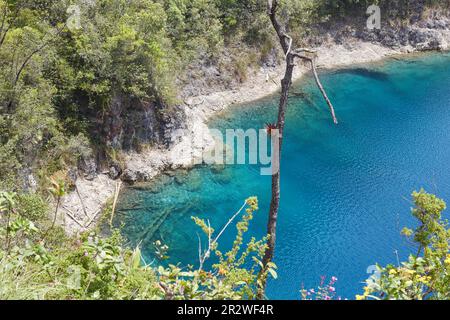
(94, 267)
(426, 274)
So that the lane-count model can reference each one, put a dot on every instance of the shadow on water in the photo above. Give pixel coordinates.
(363, 72)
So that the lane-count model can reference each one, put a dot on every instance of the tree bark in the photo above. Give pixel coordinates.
(322, 90)
(275, 200)
(290, 55)
(286, 84)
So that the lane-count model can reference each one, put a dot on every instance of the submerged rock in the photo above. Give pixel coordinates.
(171, 173)
(181, 177)
(194, 182)
(143, 176)
(164, 179)
(217, 168)
(224, 177)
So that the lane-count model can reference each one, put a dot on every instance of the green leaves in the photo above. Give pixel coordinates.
(161, 250)
(427, 205)
(271, 268)
(94, 267)
(22, 225)
(202, 224)
(7, 201)
(407, 232)
(426, 275)
(136, 259)
(57, 188)
(232, 276)
(108, 256)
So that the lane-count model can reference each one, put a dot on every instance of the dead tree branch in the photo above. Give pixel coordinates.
(212, 242)
(81, 201)
(312, 60)
(116, 197)
(286, 83)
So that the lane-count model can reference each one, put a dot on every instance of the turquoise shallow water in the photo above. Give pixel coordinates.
(345, 189)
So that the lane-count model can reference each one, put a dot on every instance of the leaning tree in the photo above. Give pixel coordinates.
(291, 54)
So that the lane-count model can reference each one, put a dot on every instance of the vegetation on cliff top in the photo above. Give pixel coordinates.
(67, 76)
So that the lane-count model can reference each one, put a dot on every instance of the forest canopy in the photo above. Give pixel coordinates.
(63, 64)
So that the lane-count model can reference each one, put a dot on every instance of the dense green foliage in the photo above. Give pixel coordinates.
(36, 264)
(65, 64)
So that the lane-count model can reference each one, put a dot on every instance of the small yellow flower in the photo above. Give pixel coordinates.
(447, 261)
(359, 297)
(392, 272)
(222, 271)
(409, 272)
(424, 279)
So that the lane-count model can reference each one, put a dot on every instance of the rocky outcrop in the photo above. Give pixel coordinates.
(427, 35)
(126, 126)
(412, 28)
(29, 181)
(115, 171)
(88, 166)
(130, 123)
(129, 176)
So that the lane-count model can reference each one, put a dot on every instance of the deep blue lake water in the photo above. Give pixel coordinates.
(345, 189)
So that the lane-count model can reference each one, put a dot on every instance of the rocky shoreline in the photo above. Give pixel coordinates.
(82, 209)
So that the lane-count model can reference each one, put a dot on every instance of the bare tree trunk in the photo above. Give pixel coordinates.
(275, 202)
(286, 83)
(322, 90)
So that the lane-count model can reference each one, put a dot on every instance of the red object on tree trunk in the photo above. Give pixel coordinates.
(270, 127)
